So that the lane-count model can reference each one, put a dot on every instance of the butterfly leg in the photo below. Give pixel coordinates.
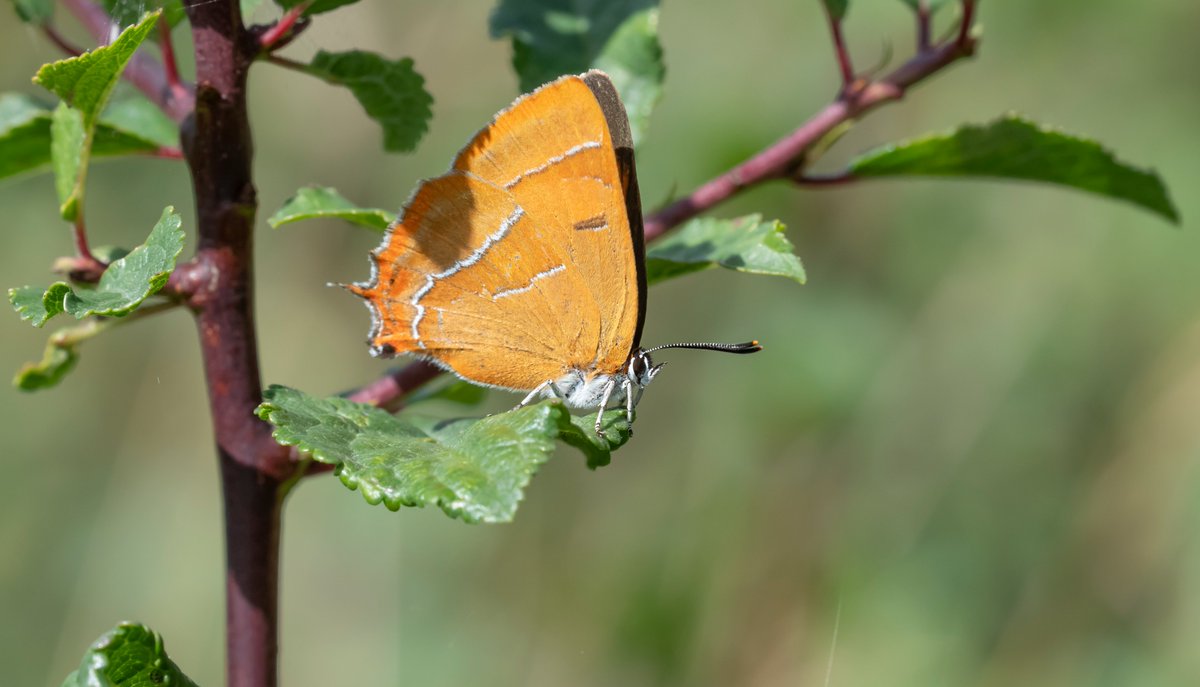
(629, 401)
(548, 384)
(608, 389)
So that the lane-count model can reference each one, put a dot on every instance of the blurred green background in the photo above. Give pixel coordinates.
(968, 456)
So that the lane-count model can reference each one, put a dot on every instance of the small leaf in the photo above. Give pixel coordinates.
(556, 37)
(123, 286)
(317, 7)
(314, 202)
(472, 469)
(34, 11)
(391, 92)
(84, 82)
(68, 152)
(130, 655)
(1016, 148)
(837, 8)
(56, 362)
(746, 244)
(124, 129)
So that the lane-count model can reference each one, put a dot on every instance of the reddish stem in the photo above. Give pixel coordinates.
(968, 18)
(170, 67)
(82, 249)
(924, 26)
(785, 158)
(274, 36)
(62, 43)
(168, 153)
(387, 391)
(143, 71)
(839, 47)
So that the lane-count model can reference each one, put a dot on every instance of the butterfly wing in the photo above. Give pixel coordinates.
(520, 263)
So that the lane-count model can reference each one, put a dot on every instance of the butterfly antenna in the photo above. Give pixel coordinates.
(748, 347)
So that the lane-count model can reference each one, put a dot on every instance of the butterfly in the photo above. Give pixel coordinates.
(523, 267)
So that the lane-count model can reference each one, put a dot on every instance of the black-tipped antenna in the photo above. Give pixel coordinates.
(748, 347)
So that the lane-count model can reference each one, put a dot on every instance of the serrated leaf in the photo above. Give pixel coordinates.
(123, 286)
(837, 8)
(556, 37)
(1016, 148)
(130, 655)
(317, 7)
(25, 133)
(581, 434)
(34, 11)
(391, 92)
(472, 469)
(322, 202)
(84, 83)
(745, 244)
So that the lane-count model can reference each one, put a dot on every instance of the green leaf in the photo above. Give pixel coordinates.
(391, 92)
(456, 391)
(474, 469)
(34, 11)
(123, 286)
(317, 7)
(315, 202)
(84, 83)
(126, 12)
(1016, 148)
(69, 149)
(139, 119)
(745, 244)
(556, 37)
(837, 8)
(581, 434)
(56, 362)
(130, 655)
(127, 127)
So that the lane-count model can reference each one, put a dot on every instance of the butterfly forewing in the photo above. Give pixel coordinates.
(519, 264)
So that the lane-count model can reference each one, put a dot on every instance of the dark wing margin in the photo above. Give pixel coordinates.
(618, 127)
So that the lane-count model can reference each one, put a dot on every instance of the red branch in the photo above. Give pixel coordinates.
(287, 28)
(62, 43)
(924, 26)
(840, 50)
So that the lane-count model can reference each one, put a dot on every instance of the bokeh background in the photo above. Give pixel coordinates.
(968, 456)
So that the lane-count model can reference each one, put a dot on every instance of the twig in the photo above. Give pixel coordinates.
(170, 67)
(924, 25)
(83, 251)
(786, 157)
(839, 48)
(387, 390)
(282, 32)
(167, 153)
(288, 63)
(143, 71)
(62, 43)
(968, 18)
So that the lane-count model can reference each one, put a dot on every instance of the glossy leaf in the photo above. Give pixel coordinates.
(746, 244)
(317, 6)
(69, 148)
(322, 202)
(130, 655)
(1016, 148)
(34, 11)
(391, 92)
(125, 128)
(555, 37)
(123, 286)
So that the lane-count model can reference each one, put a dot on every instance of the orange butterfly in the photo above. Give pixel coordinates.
(523, 267)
